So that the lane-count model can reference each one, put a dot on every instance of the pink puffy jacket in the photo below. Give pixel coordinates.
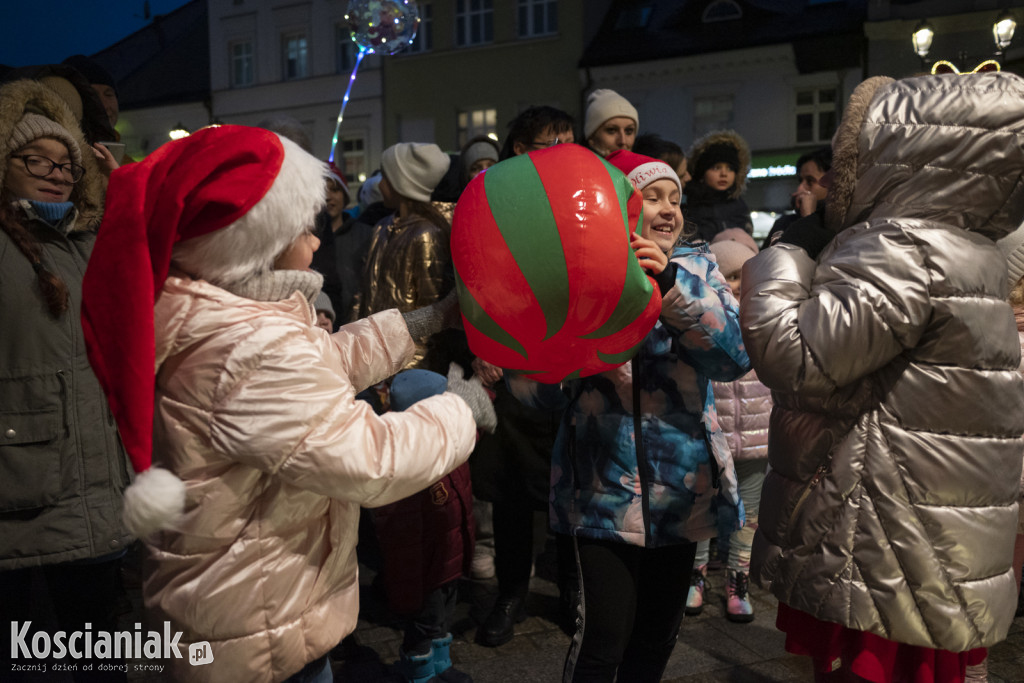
(744, 406)
(256, 413)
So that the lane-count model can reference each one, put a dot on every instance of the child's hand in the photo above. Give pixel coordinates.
(107, 161)
(488, 374)
(651, 257)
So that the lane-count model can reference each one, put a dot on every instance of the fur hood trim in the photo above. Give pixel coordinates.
(16, 98)
(844, 152)
(729, 137)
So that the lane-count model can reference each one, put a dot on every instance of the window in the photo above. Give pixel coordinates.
(538, 18)
(344, 49)
(712, 113)
(477, 122)
(353, 158)
(474, 22)
(295, 50)
(241, 64)
(816, 115)
(424, 41)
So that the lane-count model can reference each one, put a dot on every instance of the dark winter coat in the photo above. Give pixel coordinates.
(62, 467)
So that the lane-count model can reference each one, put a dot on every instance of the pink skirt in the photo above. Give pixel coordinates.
(869, 656)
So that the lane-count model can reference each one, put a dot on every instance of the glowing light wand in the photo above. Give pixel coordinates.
(377, 27)
(344, 101)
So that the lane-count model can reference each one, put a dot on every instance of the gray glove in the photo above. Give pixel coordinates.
(472, 392)
(429, 320)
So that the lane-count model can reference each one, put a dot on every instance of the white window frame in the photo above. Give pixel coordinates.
(424, 41)
(301, 56)
(815, 109)
(473, 122)
(241, 61)
(531, 12)
(470, 15)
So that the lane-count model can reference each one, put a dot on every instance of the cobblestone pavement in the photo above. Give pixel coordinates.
(709, 648)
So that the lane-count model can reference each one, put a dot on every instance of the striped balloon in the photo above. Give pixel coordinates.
(548, 283)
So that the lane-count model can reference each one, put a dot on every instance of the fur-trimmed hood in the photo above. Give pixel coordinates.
(946, 148)
(16, 98)
(730, 137)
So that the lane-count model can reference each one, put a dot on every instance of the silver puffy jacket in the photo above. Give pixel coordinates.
(895, 449)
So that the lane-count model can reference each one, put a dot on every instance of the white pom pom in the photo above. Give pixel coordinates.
(154, 500)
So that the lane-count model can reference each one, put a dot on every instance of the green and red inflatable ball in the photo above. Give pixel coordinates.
(547, 280)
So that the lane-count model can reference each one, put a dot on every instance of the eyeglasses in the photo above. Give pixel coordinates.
(41, 167)
(540, 144)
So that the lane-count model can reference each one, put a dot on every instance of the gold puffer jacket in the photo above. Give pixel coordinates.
(256, 413)
(895, 450)
(405, 269)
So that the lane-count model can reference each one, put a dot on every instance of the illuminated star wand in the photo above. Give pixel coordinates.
(376, 26)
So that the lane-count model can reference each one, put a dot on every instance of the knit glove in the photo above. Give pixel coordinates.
(808, 233)
(473, 393)
(429, 320)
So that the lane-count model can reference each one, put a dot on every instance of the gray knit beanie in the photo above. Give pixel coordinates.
(34, 126)
(414, 168)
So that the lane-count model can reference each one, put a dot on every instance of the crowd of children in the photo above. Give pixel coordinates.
(306, 363)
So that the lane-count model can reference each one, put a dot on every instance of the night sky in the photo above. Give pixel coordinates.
(47, 31)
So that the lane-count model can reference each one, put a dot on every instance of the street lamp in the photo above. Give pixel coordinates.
(1002, 31)
(1002, 35)
(178, 132)
(922, 39)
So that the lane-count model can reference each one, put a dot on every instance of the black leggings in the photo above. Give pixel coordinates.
(632, 603)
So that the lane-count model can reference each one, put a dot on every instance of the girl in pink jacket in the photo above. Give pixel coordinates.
(744, 406)
(261, 455)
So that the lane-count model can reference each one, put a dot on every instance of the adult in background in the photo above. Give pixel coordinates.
(512, 467)
(809, 195)
(610, 122)
(890, 507)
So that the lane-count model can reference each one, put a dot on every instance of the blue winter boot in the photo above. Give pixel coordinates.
(415, 668)
(443, 668)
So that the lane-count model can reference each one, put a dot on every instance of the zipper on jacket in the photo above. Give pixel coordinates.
(819, 474)
(641, 453)
(65, 399)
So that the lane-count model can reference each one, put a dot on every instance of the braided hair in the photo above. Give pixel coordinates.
(55, 292)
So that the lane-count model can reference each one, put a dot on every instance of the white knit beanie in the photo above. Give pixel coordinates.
(606, 104)
(414, 168)
(34, 126)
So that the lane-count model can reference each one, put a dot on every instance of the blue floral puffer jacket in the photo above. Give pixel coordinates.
(659, 489)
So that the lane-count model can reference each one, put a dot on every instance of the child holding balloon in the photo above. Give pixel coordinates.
(639, 453)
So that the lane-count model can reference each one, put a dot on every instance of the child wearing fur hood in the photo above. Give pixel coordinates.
(720, 161)
(253, 454)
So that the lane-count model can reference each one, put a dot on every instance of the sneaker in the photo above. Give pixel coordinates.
(738, 607)
(482, 567)
(695, 598)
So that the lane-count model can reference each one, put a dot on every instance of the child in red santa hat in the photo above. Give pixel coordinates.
(260, 454)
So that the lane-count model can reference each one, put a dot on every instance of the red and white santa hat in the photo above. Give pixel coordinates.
(250, 193)
(642, 170)
(334, 173)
